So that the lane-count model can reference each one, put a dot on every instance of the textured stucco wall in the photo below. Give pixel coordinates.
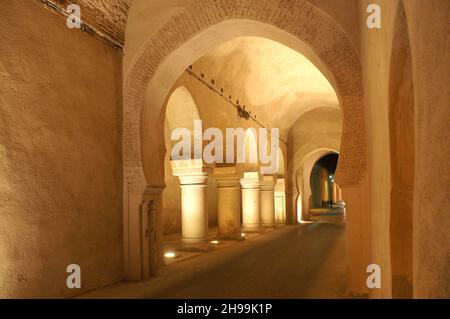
(428, 35)
(430, 50)
(401, 126)
(375, 54)
(60, 155)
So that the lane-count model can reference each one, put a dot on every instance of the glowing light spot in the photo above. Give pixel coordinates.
(170, 254)
(215, 242)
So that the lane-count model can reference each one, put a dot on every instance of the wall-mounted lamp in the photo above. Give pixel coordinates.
(242, 112)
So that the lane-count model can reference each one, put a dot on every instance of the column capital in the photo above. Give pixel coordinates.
(190, 172)
(268, 183)
(251, 180)
(153, 192)
(280, 186)
(226, 176)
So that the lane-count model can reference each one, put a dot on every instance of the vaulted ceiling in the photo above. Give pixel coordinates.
(110, 16)
(275, 82)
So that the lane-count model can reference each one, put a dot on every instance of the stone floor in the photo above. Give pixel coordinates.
(172, 243)
(301, 261)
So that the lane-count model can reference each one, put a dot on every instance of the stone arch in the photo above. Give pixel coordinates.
(186, 37)
(293, 184)
(319, 33)
(402, 155)
(180, 112)
(317, 171)
(303, 170)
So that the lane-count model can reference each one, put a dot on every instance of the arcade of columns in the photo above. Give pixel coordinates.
(261, 198)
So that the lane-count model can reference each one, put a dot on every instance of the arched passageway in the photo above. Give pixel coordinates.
(324, 189)
(322, 181)
(326, 195)
(106, 191)
(155, 71)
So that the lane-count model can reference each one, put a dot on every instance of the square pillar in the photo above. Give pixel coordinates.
(251, 217)
(228, 202)
(267, 188)
(280, 202)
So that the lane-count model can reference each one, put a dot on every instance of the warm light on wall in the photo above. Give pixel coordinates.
(299, 208)
(170, 254)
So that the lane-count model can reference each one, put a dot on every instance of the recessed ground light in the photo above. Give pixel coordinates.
(215, 242)
(170, 254)
(243, 235)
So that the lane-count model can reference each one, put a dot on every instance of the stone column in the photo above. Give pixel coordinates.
(280, 202)
(251, 218)
(194, 213)
(291, 200)
(267, 201)
(228, 202)
(339, 195)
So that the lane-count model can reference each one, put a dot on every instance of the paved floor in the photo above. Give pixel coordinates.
(301, 261)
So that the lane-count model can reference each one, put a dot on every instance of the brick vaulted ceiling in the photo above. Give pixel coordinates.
(110, 16)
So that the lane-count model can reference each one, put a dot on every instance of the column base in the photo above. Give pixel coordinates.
(269, 225)
(193, 241)
(230, 236)
(196, 248)
(252, 228)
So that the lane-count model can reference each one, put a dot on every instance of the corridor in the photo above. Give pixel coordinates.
(142, 141)
(301, 261)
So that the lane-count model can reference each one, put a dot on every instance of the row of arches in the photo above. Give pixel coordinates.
(199, 196)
